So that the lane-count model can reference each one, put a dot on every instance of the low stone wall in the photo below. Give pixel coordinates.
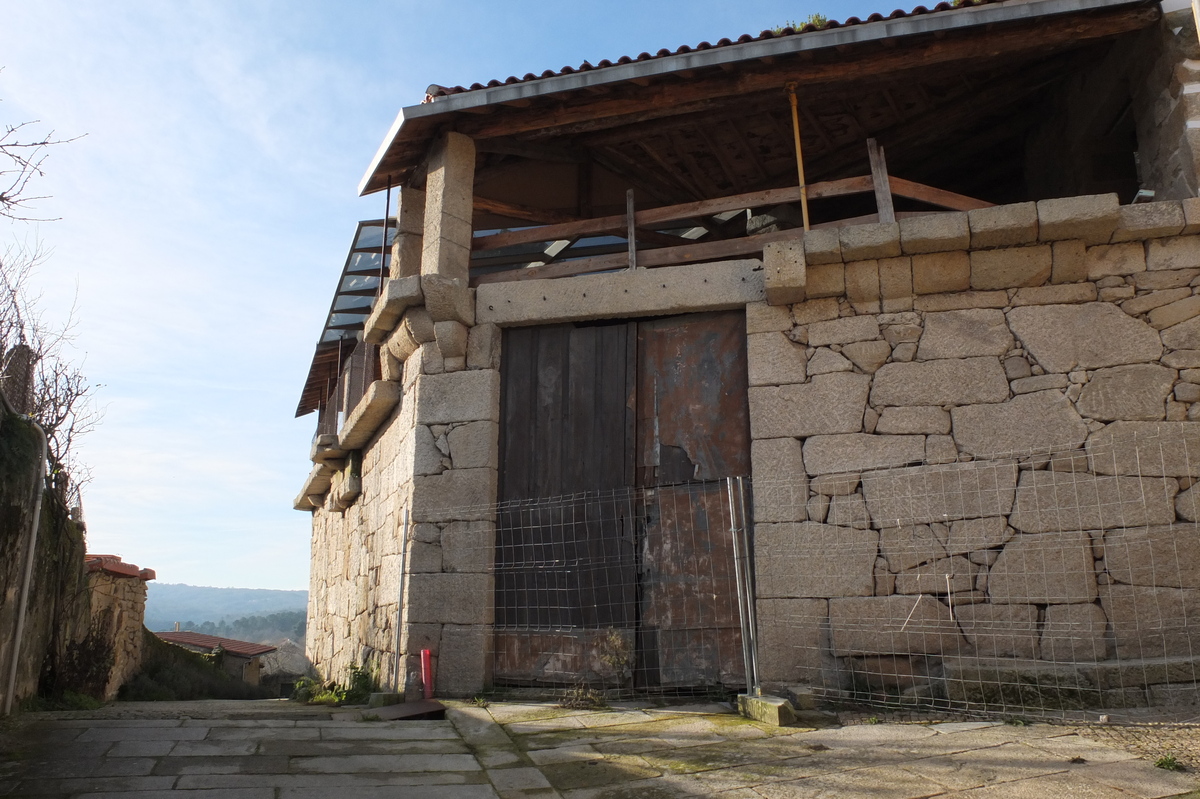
(973, 439)
(118, 609)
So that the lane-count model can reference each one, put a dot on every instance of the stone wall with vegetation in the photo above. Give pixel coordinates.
(52, 656)
(118, 606)
(977, 435)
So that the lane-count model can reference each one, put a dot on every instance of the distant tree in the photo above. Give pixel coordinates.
(268, 628)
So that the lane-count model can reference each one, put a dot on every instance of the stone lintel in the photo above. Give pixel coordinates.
(666, 290)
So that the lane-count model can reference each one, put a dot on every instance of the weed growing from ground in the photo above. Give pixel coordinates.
(583, 697)
(1169, 762)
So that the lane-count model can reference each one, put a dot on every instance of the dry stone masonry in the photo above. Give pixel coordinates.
(397, 565)
(982, 485)
(975, 446)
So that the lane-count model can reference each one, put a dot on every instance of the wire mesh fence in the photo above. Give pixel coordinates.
(1021, 583)
(628, 591)
(1016, 584)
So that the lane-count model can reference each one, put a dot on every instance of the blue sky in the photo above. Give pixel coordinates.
(205, 216)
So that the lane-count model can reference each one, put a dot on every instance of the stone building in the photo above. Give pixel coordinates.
(242, 660)
(959, 381)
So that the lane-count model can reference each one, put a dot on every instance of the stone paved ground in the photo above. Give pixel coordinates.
(508, 750)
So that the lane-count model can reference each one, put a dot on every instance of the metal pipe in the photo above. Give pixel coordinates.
(791, 87)
(39, 485)
(427, 673)
(400, 601)
(748, 565)
(738, 578)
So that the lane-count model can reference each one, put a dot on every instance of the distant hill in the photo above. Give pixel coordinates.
(167, 603)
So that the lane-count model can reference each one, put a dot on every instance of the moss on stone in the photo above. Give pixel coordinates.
(593, 773)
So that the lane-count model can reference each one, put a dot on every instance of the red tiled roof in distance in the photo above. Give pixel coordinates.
(210, 642)
(112, 564)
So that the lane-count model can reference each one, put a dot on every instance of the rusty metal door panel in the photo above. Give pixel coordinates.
(691, 635)
(693, 421)
(600, 657)
(693, 430)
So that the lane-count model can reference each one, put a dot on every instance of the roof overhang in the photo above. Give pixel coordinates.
(415, 126)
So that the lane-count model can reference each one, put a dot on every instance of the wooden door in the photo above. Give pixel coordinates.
(566, 580)
(613, 562)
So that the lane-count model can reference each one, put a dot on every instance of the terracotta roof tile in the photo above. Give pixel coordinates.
(112, 564)
(210, 642)
(436, 91)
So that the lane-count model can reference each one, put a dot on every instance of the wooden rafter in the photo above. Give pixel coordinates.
(541, 216)
(622, 166)
(669, 169)
(751, 156)
(722, 157)
(902, 140)
(695, 172)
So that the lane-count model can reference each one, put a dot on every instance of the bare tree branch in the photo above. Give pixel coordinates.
(22, 154)
(63, 399)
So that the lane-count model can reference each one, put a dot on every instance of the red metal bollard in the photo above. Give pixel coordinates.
(427, 673)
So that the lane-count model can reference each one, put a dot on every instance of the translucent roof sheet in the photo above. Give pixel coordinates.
(357, 287)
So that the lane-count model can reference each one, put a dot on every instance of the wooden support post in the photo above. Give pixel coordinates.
(631, 229)
(883, 188)
(791, 87)
(383, 247)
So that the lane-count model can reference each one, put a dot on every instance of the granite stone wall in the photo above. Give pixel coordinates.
(404, 534)
(118, 603)
(974, 442)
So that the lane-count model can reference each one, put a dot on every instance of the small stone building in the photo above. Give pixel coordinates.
(241, 660)
(946, 395)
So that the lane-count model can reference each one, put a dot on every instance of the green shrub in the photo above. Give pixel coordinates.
(356, 692)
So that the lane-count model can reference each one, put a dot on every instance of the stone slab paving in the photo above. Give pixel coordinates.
(706, 750)
(513, 751)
